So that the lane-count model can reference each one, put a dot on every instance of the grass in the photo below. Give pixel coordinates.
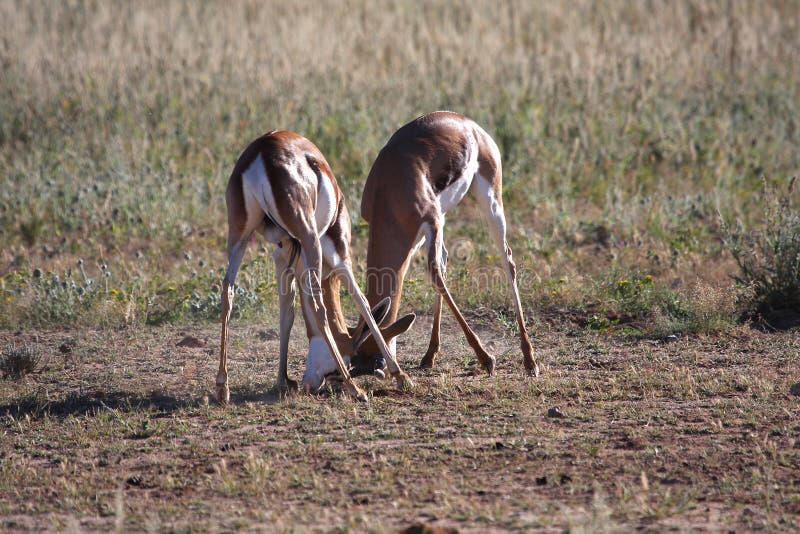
(636, 142)
(769, 259)
(624, 128)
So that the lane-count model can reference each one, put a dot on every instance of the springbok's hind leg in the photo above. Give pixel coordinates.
(531, 367)
(492, 209)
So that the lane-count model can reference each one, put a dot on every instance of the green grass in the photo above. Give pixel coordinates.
(625, 129)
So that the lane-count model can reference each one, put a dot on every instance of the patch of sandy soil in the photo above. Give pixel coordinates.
(122, 431)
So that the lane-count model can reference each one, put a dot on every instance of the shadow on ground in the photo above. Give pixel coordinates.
(36, 406)
(777, 321)
(261, 393)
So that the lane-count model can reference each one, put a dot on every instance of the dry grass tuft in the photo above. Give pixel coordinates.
(18, 361)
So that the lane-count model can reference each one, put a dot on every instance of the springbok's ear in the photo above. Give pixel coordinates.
(369, 346)
(381, 310)
(379, 313)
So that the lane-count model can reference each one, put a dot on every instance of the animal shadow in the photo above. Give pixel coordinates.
(35, 406)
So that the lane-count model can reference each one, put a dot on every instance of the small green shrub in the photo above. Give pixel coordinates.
(622, 297)
(97, 295)
(769, 257)
(644, 306)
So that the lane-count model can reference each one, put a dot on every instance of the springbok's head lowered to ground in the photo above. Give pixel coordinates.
(358, 348)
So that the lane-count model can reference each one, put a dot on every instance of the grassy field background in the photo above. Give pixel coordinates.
(648, 151)
(629, 130)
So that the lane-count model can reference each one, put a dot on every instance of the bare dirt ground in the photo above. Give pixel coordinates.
(116, 431)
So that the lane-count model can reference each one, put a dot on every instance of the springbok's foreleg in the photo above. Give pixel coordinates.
(286, 296)
(235, 255)
(436, 261)
(433, 345)
(492, 209)
(311, 286)
(403, 380)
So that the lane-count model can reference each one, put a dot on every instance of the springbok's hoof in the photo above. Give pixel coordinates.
(532, 372)
(354, 391)
(287, 386)
(489, 366)
(531, 367)
(428, 359)
(404, 382)
(223, 394)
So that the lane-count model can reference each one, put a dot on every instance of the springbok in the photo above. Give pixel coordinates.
(282, 187)
(424, 170)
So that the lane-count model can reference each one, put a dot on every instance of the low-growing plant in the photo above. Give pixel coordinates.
(768, 255)
(97, 295)
(641, 305)
(18, 361)
(621, 295)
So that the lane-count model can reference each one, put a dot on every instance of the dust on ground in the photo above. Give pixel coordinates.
(121, 432)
